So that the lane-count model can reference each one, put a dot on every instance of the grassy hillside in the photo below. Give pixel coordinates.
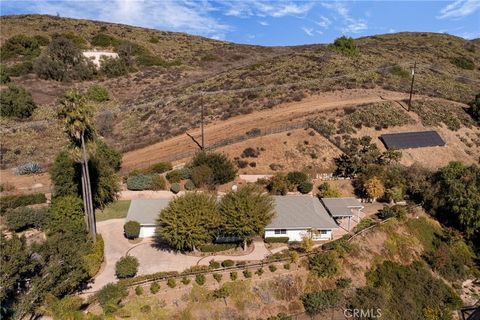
(157, 102)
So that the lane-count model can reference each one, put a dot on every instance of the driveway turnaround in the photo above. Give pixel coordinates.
(150, 258)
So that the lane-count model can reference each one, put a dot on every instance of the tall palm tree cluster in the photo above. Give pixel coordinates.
(77, 117)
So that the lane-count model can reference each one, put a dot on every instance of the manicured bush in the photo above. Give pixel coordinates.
(126, 267)
(154, 287)
(214, 264)
(247, 273)
(305, 187)
(138, 290)
(93, 260)
(323, 264)
(200, 279)
(259, 272)
(185, 280)
(277, 239)
(272, 268)
(171, 283)
(227, 263)
(343, 282)
(217, 247)
(22, 218)
(139, 182)
(110, 296)
(189, 185)
(131, 229)
(16, 102)
(217, 277)
(28, 168)
(97, 93)
(233, 275)
(158, 183)
(11, 202)
(175, 188)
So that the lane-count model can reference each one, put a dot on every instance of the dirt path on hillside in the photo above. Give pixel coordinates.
(271, 118)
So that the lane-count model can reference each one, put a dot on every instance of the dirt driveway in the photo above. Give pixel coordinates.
(151, 259)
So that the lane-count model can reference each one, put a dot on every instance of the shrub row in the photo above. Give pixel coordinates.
(22, 218)
(93, 261)
(12, 202)
(216, 247)
(277, 239)
(146, 182)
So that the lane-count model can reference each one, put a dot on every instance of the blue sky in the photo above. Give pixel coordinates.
(270, 22)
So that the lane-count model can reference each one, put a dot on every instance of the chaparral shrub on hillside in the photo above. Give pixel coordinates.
(97, 93)
(223, 169)
(324, 264)
(16, 102)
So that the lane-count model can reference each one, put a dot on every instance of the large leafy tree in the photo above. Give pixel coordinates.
(16, 265)
(66, 215)
(222, 168)
(189, 221)
(456, 197)
(246, 211)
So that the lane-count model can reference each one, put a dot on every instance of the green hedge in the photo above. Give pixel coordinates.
(12, 202)
(277, 239)
(217, 247)
(93, 261)
(22, 218)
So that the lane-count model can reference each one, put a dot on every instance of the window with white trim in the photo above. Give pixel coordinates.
(280, 231)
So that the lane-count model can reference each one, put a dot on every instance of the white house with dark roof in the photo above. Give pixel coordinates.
(343, 208)
(296, 215)
(145, 212)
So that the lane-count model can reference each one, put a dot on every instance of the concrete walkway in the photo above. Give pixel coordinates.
(152, 259)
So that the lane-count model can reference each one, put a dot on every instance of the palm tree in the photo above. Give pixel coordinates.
(77, 117)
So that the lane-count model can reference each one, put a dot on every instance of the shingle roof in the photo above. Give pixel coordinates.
(300, 212)
(341, 207)
(146, 211)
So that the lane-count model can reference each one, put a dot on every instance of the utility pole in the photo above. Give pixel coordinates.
(411, 86)
(203, 135)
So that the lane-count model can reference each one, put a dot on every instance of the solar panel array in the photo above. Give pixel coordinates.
(408, 140)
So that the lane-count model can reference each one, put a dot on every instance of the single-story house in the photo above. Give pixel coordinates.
(145, 212)
(343, 208)
(297, 215)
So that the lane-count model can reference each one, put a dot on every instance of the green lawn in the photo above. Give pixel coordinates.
(115, 210)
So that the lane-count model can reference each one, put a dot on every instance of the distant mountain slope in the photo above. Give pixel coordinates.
(229, 79)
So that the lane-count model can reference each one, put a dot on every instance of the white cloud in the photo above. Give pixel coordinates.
(185, 16)
(351, 25)
(263, 23)
(262, 8)
(459, 9)
(324, 22)
(308, 31)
